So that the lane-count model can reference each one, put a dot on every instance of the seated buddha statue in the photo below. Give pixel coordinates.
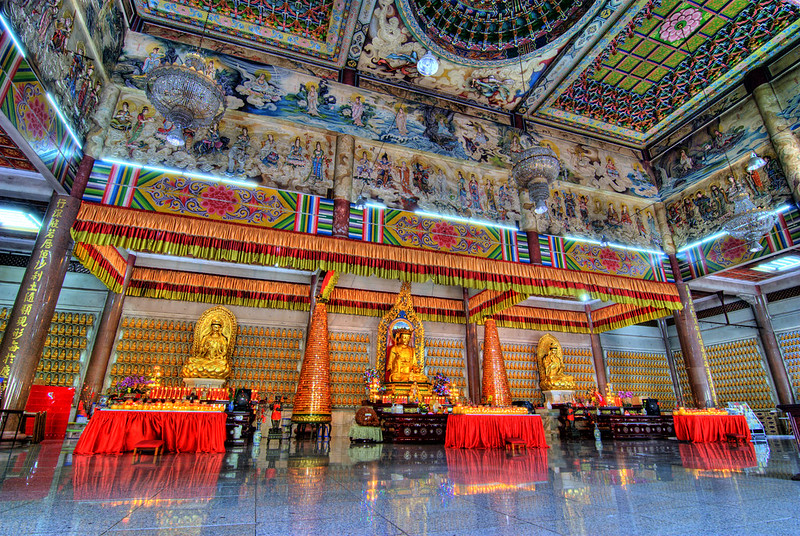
(211, 358)
(553, 374)
(401, 363)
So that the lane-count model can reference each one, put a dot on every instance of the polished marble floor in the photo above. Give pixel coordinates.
(623, 488)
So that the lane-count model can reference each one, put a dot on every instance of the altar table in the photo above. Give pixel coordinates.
(491, 431)
(117, 431)
(709, 428)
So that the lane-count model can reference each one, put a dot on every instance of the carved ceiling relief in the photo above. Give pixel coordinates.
(64, 56)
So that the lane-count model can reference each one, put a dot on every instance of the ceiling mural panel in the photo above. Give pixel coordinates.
(414, 181)
(285, 94)
(697, 211)
(242, 147)
(319, 29)
(585, 213)
(670, 55)
(710, 149)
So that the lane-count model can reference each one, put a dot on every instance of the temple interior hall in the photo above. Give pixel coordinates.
(399, 267)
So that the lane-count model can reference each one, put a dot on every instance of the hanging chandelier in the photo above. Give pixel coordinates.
(186, 95)
(748, 222)
(535, 168)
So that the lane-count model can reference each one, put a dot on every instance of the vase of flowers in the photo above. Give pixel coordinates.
(133, 386)
(627, 398)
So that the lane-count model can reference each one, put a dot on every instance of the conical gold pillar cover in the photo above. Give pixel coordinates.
(495, 381)
(312, 402)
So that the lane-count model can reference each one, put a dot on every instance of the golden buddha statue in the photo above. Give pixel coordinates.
(401, 348)
(215, 336)
(401, 363)
(551, 366)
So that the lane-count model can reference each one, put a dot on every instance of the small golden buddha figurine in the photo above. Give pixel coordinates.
(403, 367)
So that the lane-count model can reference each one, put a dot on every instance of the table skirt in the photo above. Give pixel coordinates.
(115, 432)
(491, 431)
(709, 428)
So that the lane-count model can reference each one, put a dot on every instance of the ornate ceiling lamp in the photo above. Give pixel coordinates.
(186, 94)
(535, 168)
(748, 222)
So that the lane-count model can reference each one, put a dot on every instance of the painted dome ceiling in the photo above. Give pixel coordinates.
(475, 31)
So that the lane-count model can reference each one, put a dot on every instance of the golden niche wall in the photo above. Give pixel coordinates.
(645, 374)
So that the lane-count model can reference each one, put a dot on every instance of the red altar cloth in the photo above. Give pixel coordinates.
(709, 428)
(479, 467)
(114, 432)
(491, 431)
(718, 456)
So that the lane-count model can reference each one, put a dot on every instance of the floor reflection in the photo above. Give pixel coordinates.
(337, 488)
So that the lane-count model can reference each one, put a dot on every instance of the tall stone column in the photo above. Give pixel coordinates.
(104, 340)
(530, 226)
(495, 379)
(30, 318)
(472, 354)
(598, 359)
(777, 368)
(694, 351)
(343, 184)
(786, 144)
(673, 371)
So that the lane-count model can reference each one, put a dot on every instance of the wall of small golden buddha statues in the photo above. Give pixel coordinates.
(151, 347)
(737, 370)
(66, 348)
(645, 374)
(790, 348)
(446, 356)
(265, 358)
(350, 357)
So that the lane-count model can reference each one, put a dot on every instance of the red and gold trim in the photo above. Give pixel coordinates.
(184, 236)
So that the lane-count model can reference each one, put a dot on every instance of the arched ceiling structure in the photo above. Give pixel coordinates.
(620, 70)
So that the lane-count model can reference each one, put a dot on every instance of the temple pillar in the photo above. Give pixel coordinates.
(694, 351)
(673, 371)
(104, 340)
(667, 243)
(495, 379)
(96, 139)
(472, 354)
(312, 401)
(787, 146)
(30, 318)
(343, 185)
(598, 359)
(777, 368)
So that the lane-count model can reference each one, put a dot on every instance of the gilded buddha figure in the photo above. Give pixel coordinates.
(402, 365)
(551, 366)
(214, 338)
